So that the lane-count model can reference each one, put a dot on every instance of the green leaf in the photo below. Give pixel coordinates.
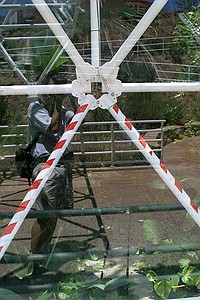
(151, 230)
(151, 276)
(184, 262)
(47, 55)
(62, 296)
(96, 293)
(79, 279)
(168, 242)
(163, 287)
(158, 185)
(94, 255)
(100, 286)
(30, 269)
(45, 296)
(118, 282)
(196, 281)
(175, 280)
(193, 254)
(187, 272)
(9, 295)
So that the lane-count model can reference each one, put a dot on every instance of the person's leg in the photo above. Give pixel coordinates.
(68, 188)
(41, 234)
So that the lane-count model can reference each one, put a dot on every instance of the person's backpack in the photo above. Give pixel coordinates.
(24, 161)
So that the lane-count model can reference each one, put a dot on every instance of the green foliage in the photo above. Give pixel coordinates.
(3, 110)
(47, 55)
(188, 276)
(138, 106)
(127, 13)
(151, 106)
(76, 287)
(101, 115)
(186, 4)
(45, 296)
(173, 112)
(9, 295)
(151, 231)
(183, 50)
(163, 287)
(136, 72)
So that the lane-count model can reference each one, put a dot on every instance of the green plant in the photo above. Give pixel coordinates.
(184, 50)
(173, 112)
(187, 276)
(76, 287)
(45, 57)
(186, 4)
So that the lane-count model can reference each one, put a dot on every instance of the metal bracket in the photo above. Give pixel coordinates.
(80, 88)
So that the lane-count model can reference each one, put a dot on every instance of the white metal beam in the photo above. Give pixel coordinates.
(126, 88)
(111, 68)
(85, 69)
(161, 87)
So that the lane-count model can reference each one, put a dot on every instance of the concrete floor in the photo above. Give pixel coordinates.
(126, 232)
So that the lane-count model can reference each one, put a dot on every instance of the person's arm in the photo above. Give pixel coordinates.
(54, 119)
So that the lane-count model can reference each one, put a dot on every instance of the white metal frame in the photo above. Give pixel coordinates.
(84, 89)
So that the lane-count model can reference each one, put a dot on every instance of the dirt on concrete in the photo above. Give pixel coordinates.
(129, 231)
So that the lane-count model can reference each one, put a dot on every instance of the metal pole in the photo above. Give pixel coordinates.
(50, 64)
(163, 249)
(97, 211)
(112, 145)
(12, 64)
(44, 174)
(95, 32)
(126, 88)
(111, 67)
(161, 87)
(84, 68)
(162, 143)
(156, 163)
(35, 89)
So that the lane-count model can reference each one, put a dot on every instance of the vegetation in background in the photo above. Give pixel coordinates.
(186, 5)
(186, 49)
(117, 21)
(47, 55)
(3, 110)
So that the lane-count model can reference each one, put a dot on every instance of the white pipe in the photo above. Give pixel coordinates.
(35, 89)
(110, 68)
(59, 32)
(35, 189)
(161, 87)
(151, 157)
(13, 64)
(126, 88)
(52, 22)
(95, 32)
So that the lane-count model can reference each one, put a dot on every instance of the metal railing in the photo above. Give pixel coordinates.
(96, 144)
(148, 50)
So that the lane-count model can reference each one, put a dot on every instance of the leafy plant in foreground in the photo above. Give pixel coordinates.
(188, 276)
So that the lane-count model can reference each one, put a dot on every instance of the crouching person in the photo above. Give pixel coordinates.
(48, 120)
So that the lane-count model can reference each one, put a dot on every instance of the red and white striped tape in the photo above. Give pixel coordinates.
(35, 189)
(61, 146)
(156, 163)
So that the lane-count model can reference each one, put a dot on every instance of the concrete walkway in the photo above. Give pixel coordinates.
(128, 233)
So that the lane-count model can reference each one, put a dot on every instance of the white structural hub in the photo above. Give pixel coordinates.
(93, 79)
